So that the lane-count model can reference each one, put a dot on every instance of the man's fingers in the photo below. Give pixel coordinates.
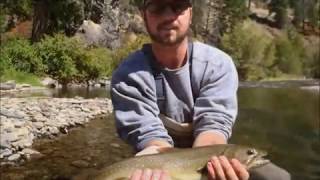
(219, 172)
(228, 169)
(211, 173)
(240, 169)
(165, 176)
(146, 174)
(136, 175)
(156, 174)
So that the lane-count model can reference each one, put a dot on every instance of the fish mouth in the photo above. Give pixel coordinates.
(258, 161)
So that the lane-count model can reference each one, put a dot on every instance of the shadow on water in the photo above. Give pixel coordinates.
(282, 120)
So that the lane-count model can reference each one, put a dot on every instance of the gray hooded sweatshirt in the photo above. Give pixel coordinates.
(202, 92)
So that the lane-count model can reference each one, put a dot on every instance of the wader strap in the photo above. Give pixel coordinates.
(158, 77)
(182, 133)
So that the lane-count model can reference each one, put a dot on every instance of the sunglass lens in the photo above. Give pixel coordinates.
(178, 8)
(159, 8)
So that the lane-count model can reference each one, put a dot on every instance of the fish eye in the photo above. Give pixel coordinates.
(251, 152)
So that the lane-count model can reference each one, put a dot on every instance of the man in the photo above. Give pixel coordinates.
(174, 92)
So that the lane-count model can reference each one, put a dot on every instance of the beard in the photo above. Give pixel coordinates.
(169, 38)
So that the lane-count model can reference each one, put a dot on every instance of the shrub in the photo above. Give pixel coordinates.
(312, 61)
(59, 54)
(251, 50)
(69, 60)
(121, 53)
(95, 63)
(290, 53)
(21, 55)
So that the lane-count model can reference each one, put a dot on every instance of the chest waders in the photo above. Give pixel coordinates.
(181, 133)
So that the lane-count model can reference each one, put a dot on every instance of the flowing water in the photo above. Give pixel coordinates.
(282, 118)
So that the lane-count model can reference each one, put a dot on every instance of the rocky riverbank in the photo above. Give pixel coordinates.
(25, 119)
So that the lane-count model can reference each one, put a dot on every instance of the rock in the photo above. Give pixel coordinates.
(115, 145)
(97, 85)
(22, 143)
(14, 157)
(24, 86)
(24, 119)
(92, 33)
(9, 137)
(5, 153)
(19, 124)
(29, 151)
(10, 114)
(38, 125)
(80, 164)
(49, 82)
(7, 86)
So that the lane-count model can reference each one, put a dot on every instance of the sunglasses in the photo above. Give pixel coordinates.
(158, 8)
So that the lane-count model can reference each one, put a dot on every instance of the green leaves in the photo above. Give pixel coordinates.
(20, 54)
(251, 50)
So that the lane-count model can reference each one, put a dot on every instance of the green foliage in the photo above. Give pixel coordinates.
(59, 54)
(20, 77)
(55, 16)
(251, 50)
(20, 54)
(96, 62)
(290, 53)
(280, 8)
(66, 15)
(312, 61)
(234, 11)
(2, 21)
(258, 55)
(121, 53)
(4, 63)
(69, 60)
(306, 11)
(21, 8)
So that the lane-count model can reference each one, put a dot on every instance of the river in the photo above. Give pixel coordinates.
(280, 117)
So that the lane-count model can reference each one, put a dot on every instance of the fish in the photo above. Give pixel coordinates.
(184, 164)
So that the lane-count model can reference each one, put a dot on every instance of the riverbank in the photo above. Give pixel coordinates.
(25, 119)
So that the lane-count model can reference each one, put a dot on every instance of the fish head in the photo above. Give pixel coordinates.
(248, 156)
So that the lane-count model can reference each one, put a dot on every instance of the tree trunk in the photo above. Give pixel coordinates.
(40, 19)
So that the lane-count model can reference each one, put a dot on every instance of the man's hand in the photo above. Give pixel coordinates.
(148, 174)
(220, 168)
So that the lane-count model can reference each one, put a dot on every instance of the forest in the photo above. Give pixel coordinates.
(76, 41)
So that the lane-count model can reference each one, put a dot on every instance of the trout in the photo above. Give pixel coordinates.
(184, 164)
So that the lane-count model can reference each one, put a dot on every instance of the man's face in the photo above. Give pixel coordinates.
(167, 21)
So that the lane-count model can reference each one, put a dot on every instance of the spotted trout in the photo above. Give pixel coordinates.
(184, 164)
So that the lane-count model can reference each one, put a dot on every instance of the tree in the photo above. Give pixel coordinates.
(290, 52)
(53, 16)
(211, 19)
(253, 60)
(280, 8)
(21, 8)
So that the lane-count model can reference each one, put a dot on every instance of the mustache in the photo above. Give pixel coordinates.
(167, 24)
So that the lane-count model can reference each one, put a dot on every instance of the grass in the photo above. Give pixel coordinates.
(20, 77)
(284, 77)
